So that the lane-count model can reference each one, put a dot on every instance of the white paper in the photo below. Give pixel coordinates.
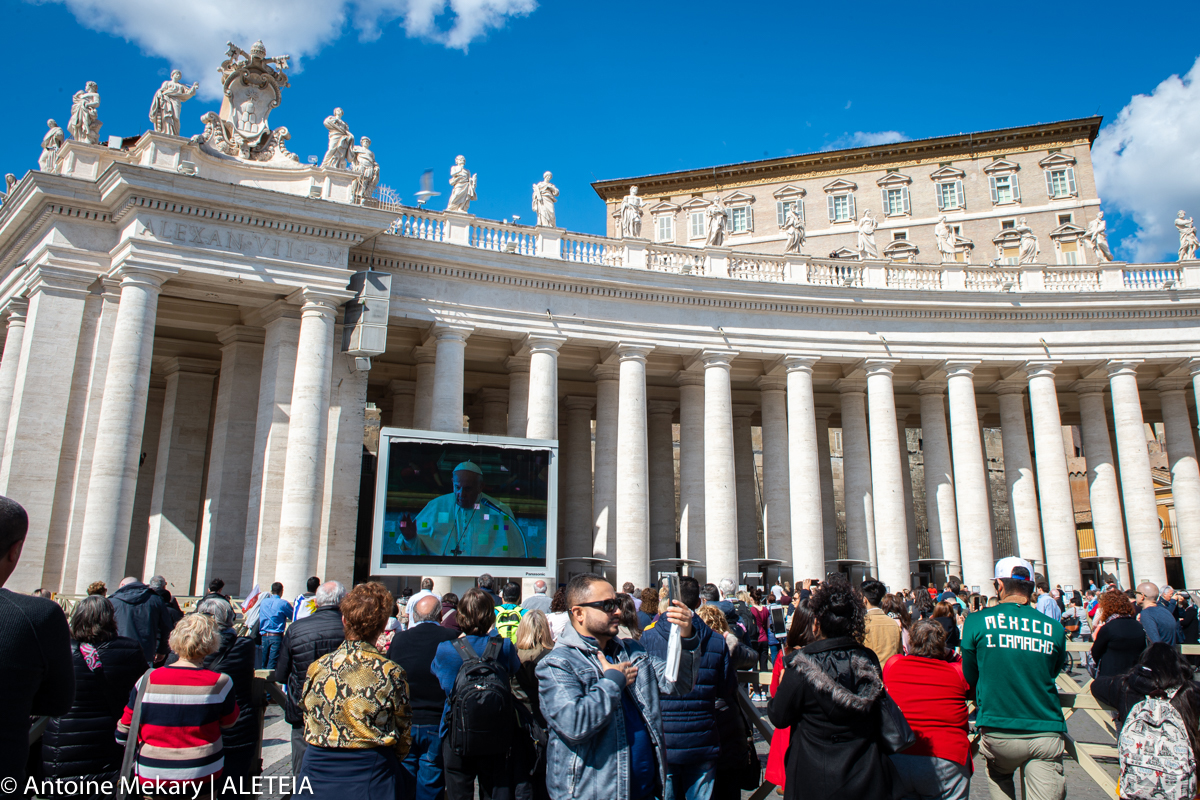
(674, 650)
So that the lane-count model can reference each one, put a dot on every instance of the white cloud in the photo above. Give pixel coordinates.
(865, 139)
(192, 35)
(1147, 163)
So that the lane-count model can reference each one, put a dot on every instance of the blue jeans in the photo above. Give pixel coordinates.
(271, 643)
(691, 781)
(421, 770)
(930, 778)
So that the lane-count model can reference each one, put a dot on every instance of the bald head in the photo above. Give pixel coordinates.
(1147, 594)
(427, 609)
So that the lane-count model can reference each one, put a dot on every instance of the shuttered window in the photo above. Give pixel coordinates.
(895, 201)
(781, 209)
(841, 207)
(1060, 182)
(664, 228)
(1004, 189)
(950, 195)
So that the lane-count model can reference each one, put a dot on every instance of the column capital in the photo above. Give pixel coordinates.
(543, 342)
(800, 362)
(319, 299)
(427, 354)
(16, 309)
(931, 387)
(241, 333)
(958, 368)
(1013, 385)
(606, 372)
(823, 414)
(718, 358)
(633, 351)
(689, 378)
(517, 364)
(745, 410)
(196, 366)
(1041, 368)
(880, 366)
(1167, 385)
(1082, 388)
(451, 332)
(850, 385)
(132, 273)
(279, 309)
(402, 387)
(492, 395)
(771, 383)
(662, 407)
(52, 278)
(577, 402)
(1124, 366)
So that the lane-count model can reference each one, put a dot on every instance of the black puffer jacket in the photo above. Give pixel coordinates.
(829, 695)
(304, 642)
(81, 743)
(142, 615)
(235, 657)
(173, 609)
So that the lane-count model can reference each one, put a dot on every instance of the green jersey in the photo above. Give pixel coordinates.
(1012, 654)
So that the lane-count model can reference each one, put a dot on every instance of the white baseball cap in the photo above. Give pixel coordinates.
(1005, 567)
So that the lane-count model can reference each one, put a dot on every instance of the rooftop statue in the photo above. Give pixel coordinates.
(630, 215)
(867, 248)
(545, 195)
(793, 226)
(362, 161)
(1097, 237)
(10, 181)
(462, 186)
(1187, 237)
(1029, 248)
(716, 216)
(337, 155)
(84, 125)
(51, 143)
(168, 100)
(252, 85)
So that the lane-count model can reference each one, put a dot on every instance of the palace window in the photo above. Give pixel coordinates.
(1070, 253)
(895, 201)
(899, 235)
(783, 206)
(741, 220)
(664, 228)
(696, 225)
(950, 195)
(1060, 182)
(1005, 224)
(1004, 189)
(841, 207)
(1066, 219)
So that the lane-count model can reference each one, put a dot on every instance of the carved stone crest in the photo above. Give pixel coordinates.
(252, 85)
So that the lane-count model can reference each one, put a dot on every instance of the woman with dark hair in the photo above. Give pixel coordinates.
(649, 609)
(476, 616)
(1159, 672)
(630, 627)
(80, 743)
(895, 607)
(945, 614)
(1118, 638)
(830, 697)
(922, 607)
(356, 710)
(450, 611)
(799, 634)
(559, 618)
(932, 693)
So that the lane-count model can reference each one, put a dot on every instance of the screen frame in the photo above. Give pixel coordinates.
(464, 569)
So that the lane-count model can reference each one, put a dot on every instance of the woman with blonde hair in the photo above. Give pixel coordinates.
(533, 641)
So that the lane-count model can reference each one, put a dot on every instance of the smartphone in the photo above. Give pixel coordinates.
(671, 584)
(778, 622)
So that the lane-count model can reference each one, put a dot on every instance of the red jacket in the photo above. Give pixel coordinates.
(933, 696)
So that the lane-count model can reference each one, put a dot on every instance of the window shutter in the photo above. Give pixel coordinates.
(853, 213)
(1016, 188)
(780, 213)
(749, 218)
(904, 198)
(832, 213)
(992, 184)
(937, 189)
(1071, 180)
(728, 221)
(1049, 183)
(958, 191)
(887, 209)
(800, 208)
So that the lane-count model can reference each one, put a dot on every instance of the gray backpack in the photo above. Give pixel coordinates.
(1156, 756)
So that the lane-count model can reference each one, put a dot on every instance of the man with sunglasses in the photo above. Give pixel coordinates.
(600, 697)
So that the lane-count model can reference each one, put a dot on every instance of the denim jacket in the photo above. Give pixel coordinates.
(587, 757)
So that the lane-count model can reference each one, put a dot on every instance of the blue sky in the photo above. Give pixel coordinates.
(595, 90)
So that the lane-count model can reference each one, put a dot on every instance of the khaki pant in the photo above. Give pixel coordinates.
(1040, 758)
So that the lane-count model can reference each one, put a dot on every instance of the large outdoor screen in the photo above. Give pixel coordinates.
(459, 504)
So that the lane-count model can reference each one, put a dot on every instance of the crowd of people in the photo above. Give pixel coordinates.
(591, 692)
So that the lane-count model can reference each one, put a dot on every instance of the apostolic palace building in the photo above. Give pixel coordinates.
(181, 392)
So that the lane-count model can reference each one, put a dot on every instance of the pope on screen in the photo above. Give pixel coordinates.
(466, 523)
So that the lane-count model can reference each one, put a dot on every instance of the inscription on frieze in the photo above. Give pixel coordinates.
(243, 242)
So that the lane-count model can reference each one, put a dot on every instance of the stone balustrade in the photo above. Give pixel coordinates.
(720, 262)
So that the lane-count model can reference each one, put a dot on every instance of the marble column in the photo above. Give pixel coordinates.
(113, 481)
(828, 503)
(662, 482)
(910, 508)
(281, 325)
(16, 309)
(604, 490)
(633, 468)
(518, 395)
(1137, 487)
(856, 473)
(304, 473)
(495, 412)
(179, 477)
(343, 466)
(691, 469)
(887, 484)
(426, 358)
(38, 413)
(720, 502)
(231, 458)
(745, 479)
(139, 529)
(777, 505)
(805, 496)
(578, 472)
(971, 497)
(1054, 483)
(404, 401)
(1020, 482)
(941, 510)
(448, 378)
(1108, 521)
(1185, 476)
(543, 387)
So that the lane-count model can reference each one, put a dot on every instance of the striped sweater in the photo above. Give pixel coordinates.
(183, 712)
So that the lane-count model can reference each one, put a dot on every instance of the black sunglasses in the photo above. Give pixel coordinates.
(607, 606)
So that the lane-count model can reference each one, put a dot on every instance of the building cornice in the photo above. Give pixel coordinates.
(945, 148)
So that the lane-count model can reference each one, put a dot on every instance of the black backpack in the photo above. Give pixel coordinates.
(483, 710)
(746, 617)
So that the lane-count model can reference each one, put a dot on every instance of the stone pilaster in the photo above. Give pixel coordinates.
(16, 310)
